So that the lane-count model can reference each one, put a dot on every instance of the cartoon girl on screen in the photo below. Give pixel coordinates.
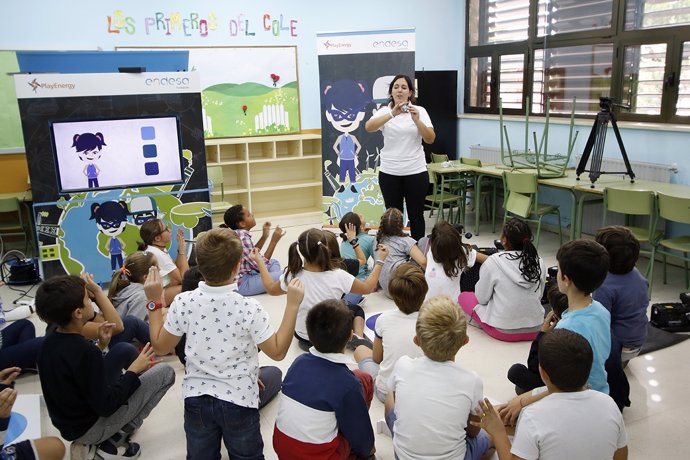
(111, 219)
(346, 102)
(88, 147)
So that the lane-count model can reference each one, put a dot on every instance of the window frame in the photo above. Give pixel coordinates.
(673, 36)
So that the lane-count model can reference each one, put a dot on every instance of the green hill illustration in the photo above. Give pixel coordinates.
(250, 109)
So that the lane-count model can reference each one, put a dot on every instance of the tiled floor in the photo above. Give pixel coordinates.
(657, 422)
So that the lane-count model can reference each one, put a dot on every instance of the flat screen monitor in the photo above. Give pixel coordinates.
(108, 153)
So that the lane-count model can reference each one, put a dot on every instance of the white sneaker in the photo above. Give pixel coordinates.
(78, 451)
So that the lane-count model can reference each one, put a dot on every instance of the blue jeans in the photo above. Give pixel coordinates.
(250, 283)
(208, 419)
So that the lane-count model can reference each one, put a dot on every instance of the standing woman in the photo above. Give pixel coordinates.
(402, 174)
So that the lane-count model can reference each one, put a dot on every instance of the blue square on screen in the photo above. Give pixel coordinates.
(151, 169)
(148, 133)
(150, 151)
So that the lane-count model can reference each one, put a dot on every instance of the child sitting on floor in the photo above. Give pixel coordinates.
(96, 414)
(360, 240)
(431, 398)
(126, 290)
(241, 220)
(506, 302)
(322, 280)
(395, 329)
(624, 294)
(582, 267)
(224, 333)
(446, 260)
(324, 409)
(401, 248)
(156, 237)
(572, 421)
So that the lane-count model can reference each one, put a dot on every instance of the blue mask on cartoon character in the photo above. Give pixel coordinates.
(111, 228)
(345, 120)
(141, 217)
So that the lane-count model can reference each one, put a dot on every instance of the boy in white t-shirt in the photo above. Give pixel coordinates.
(395, 329)
(571, 422)
(223, 329)
(431, 398)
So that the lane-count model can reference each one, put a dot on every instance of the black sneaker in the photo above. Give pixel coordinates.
(356, 341)
(108, 451)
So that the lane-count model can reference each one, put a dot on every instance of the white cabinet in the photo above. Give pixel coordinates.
(278, 177)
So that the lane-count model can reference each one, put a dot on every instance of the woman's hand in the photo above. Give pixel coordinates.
(414, 112)
(398, 108)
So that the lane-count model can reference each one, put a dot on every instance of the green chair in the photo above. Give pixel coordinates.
(488, 190)
(673, 209)
(215, 176)
(444, 196)
(12, 222)
(633, 203)
(522, 199)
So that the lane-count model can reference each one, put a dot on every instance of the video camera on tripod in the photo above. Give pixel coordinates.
(597, 140)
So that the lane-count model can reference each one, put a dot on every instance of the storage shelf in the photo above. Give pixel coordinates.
(287, 185)
(277, 177)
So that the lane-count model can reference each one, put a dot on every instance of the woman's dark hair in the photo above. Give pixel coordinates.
(410, 85)
(519, 238)
(349, 218)
(312, 244)
(447, 248)
(391, 224)
(148, 231)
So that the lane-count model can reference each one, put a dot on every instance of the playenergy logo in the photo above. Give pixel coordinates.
(35, 84)
(177, 82)
(328, 44)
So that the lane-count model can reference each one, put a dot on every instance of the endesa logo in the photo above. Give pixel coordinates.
(398, 44)
(178, 82)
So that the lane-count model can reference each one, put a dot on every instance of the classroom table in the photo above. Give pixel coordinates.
(581, 191)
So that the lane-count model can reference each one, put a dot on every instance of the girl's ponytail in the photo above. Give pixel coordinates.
(294, 265)
(519, 237)
(119, 281)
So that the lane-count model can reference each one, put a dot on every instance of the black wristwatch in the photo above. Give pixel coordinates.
(354, 241)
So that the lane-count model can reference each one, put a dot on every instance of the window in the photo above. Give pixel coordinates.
(634, 51)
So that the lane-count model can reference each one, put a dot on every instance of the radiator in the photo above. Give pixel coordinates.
(488, 155)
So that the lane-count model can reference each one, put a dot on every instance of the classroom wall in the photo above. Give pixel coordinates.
(85, 24)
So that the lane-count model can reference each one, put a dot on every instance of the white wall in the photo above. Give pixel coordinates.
(83, 24)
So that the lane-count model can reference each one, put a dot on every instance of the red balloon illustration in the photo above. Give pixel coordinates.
(244, 109)
(275, 78)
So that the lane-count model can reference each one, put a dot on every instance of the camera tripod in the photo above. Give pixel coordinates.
(596, 141)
